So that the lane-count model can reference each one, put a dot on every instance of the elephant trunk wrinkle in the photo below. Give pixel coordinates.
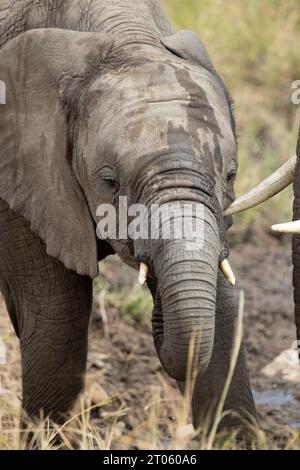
(184, 311)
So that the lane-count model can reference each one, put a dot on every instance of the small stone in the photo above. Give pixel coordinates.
(96, 360)
(286, 365)
(185, 431)
(97, 394)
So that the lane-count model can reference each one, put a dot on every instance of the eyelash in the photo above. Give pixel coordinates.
(231, 176)
(114, 184)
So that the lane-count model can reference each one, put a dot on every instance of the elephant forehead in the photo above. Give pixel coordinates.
(152, 108)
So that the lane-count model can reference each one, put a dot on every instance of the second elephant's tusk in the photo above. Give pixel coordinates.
(292, 228)
(143, 273)
(268, 188)
(227, 272)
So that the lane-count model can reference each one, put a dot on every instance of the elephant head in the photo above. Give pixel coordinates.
(85, 123)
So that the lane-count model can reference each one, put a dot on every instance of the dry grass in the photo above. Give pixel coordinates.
(154, 432)
(163, 421)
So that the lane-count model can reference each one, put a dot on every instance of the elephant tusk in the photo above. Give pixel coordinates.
(227, 271)
(292, 228)
(143, 273)
(268, 188)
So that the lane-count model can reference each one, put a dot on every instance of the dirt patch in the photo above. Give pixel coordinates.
(123, 360)
(265, 274)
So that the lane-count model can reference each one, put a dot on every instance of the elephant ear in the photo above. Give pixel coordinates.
(187, 45)
(36, 174)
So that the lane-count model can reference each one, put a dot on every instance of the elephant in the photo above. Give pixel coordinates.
(287, 174)
(105, 100)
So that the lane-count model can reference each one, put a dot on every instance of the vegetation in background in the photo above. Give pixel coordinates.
(134, 303)
(255, 47)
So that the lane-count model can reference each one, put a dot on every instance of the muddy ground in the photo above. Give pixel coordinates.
(122, 357)
(265, 274)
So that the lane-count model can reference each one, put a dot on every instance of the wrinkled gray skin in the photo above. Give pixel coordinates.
(111, 103)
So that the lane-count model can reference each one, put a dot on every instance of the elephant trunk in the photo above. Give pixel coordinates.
(185, 304)
(296, 246)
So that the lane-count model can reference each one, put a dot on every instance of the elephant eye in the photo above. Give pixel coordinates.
(231, 176)
(113, 184)
(110, 179)
(231, 173)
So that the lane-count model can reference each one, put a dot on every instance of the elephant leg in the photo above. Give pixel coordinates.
(54, 347)
(209, 386)
(50, 308)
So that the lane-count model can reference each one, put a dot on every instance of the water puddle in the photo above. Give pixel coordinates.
(275, 398)
(295, 426)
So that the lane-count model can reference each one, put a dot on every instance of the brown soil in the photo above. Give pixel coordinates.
(265, 274)
(123, 360)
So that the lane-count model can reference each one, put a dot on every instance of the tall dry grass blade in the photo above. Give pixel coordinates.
(238, 334)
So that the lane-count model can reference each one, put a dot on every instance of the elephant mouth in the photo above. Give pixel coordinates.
(147, 275)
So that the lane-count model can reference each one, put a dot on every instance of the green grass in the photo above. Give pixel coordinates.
(255, 47)
(132, 300)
